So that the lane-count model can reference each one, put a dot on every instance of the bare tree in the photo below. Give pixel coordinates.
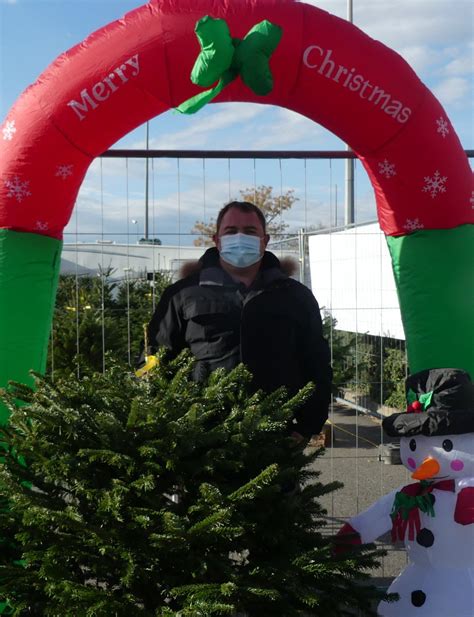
(272, 206)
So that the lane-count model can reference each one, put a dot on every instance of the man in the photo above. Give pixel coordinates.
(238, 305)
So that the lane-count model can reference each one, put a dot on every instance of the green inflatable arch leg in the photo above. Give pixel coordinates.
(29, 272)
(433, 270)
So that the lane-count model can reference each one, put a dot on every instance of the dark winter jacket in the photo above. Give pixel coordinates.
(273, 327)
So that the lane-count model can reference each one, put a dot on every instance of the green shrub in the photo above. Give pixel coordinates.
(161, 497)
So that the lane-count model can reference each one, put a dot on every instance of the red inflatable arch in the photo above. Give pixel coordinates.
(324, 68)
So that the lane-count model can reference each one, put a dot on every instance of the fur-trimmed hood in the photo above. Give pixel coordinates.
(287, 265)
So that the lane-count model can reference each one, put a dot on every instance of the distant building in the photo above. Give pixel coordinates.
(125, 260)
(131, 260)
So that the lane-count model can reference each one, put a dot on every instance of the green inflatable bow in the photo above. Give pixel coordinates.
(223, 58)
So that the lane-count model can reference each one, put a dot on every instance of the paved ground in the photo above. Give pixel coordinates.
(354, 460)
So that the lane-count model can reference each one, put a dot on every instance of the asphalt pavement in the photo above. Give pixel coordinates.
(353, 458)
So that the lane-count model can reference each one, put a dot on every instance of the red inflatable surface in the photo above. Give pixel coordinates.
(324, 68)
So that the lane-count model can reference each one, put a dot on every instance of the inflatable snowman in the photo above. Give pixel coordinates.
(435, 515)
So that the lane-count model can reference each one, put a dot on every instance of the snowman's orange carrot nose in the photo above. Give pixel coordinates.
(428, 468)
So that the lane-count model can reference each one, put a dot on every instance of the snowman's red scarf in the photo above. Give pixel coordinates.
(408, 503)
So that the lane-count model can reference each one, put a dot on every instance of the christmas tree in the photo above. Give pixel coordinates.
(165, 497)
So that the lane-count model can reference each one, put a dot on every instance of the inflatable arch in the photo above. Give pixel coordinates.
(324, 68)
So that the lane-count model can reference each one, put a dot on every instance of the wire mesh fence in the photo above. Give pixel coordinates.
(140, 216)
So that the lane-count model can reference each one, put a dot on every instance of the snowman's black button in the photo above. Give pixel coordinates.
(418, 598)
(425, 537)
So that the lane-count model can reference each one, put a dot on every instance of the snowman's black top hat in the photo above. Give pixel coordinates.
(440, 402)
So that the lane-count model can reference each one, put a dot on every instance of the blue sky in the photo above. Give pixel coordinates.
(434, 36)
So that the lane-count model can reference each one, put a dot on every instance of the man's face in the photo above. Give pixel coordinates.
(235, 221)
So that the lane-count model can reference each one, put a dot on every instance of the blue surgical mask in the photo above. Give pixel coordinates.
(240, 250)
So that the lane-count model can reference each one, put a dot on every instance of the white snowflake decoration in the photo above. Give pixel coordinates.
(443, 127)
(413, 225)
(41, 226)
(64, 171)
(435, 185)
(387, 169)
(9, 130)
(18, 189)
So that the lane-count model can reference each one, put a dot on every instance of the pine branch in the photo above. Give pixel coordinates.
(166, 497)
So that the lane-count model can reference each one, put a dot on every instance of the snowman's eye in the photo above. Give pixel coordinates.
(447, 445)
(412, 445)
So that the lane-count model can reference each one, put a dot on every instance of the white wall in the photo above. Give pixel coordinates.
(351, 276)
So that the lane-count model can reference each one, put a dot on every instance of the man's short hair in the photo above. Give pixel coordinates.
(243, 206)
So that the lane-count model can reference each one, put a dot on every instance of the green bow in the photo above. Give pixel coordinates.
(223, 58)
(405, 503)
(425, 399)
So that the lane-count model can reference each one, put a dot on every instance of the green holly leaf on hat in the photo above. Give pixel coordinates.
(425, 400)
(411, 396)
(418, 403)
